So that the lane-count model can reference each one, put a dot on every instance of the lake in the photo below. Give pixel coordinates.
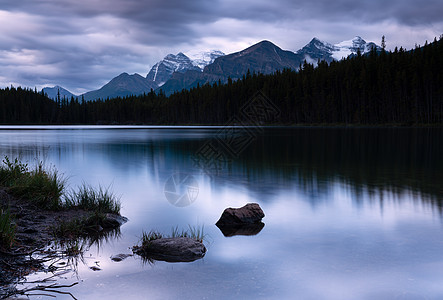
(351, 213)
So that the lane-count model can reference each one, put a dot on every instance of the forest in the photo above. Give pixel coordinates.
(397, 87)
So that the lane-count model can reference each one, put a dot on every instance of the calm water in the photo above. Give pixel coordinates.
(350, 213)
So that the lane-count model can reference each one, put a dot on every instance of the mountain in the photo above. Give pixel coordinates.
(319, 50)
(52, 92)
(316, 50)
(121, 86)
(177, 72)
(125, 84)
(202, 59)
(163, 70)
(351, 47)
(263, 57)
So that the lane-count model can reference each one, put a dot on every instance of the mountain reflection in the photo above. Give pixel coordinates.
(371, 161)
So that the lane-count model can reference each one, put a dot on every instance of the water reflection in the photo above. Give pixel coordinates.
(369, 161)
(350, 213)
(247, 229)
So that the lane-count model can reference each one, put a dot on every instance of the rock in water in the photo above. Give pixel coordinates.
(178, 249)
(120, 257)
(249, 214)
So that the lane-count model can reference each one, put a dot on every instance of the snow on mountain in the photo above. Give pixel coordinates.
(163, 70)
(346, 48)
(202, 59)
(320, 50)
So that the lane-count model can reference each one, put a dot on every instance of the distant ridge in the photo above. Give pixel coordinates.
(53, 92)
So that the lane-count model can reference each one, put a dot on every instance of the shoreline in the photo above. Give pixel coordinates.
(215, 126)
(35, 233)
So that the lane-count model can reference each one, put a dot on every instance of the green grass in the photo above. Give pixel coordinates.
(40, 185)
(197, 233)
(100, 200)
(47, 189)
(7, 229)
(151, 236)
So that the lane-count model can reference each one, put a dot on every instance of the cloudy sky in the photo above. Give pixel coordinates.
(82, 44)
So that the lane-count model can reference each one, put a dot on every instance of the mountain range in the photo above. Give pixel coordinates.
(177, 72)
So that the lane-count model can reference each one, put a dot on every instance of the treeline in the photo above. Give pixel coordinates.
(399, 87)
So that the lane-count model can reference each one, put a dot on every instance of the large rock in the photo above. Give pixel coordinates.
(178, 249)
(249, 214)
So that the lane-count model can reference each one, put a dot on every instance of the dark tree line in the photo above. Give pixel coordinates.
(399, 87)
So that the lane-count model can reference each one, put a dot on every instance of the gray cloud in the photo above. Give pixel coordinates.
(83, 44)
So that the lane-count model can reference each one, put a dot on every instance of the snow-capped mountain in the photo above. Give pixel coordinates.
(202, 59)
(346, 48)
(163, 70)
(263, 57)
(317, 49)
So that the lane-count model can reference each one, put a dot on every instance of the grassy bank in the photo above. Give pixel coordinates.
(100, 200)
(42, 186)
(46, 189)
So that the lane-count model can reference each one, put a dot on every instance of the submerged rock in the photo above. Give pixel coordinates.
(177, 249)
(120, 257)
(245, 229)
(249, 214)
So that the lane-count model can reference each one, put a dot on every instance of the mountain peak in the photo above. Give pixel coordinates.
(266, 42)
(53, 92)
(163, 70)
(319, 50)
(264, 45)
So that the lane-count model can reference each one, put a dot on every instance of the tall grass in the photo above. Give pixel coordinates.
(7, 229)
(193, 232)
(151, 236)
(46, 188)
(100, 200)
(40, 185)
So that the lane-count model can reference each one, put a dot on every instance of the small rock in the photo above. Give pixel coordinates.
(249, 214)
(120, 257)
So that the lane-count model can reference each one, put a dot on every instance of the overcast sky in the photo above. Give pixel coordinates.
(82, 44)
